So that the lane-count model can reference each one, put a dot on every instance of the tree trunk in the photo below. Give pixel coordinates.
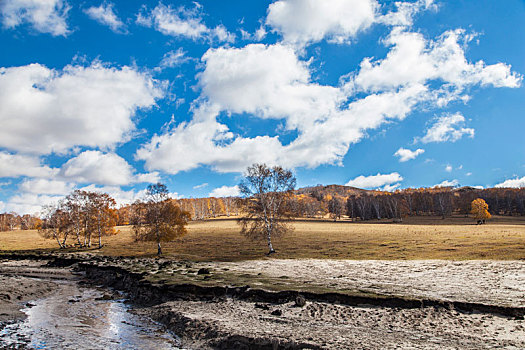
(99, 236)
(58, 241)
(270, 247)
(159, 249)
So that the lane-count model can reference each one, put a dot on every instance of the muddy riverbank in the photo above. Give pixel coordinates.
(211, 305)
(66, 311)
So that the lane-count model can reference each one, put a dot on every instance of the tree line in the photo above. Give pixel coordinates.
(358, 204)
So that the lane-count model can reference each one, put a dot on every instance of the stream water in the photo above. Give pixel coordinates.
(78, 317)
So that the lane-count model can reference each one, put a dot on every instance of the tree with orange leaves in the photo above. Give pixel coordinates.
(480, 210)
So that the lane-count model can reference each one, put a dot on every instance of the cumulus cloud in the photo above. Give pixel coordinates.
(447, 183)
(266, 80)
(270, 82)
(15, 165)
(182, 22)
(105, 15)
(413, 59)
(302, 22)
(45, 111)
(103, 168)
(514, 183)
(406, 154)
(447, 128)
(305, 21)
(376, 181)
(30, 203)
(273, 82)
(225, 191)
(448, 168)
(45, 16)
(45, 186)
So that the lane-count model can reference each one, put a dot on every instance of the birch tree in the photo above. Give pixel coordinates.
(157, 218)
(265, 201)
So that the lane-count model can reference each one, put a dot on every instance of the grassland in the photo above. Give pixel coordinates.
(416, 238)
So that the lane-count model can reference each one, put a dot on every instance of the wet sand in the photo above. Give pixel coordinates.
(20, 283)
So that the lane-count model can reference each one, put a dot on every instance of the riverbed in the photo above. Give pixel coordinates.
(75, 315)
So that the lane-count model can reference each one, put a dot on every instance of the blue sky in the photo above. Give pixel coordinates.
(111, 96)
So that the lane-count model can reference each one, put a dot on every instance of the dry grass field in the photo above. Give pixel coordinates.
(503, 238)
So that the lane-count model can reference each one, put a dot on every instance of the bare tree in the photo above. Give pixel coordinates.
(56, 224)
(104, 214)
(266, 192)
(157, 218)
(335, 208)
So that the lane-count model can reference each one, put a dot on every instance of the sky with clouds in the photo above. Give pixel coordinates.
(112, 96)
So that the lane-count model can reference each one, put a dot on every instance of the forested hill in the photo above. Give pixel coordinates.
(362, 204)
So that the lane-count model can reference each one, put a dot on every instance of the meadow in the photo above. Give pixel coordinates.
(457, 238)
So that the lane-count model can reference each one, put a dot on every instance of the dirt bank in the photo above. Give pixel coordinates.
(213, 316)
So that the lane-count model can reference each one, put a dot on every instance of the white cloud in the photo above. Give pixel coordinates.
(45, 111)
(225, 191)
(448, 168)
(375, 181)
(203, 185)
(447, 183)
(105, 15)
(413, 59)
(301, 22)
(121, 196)
(447, 128)
(222, 34)
(271, 81)
(390, 188)
(173, 59)
(103, 168)
(405, 12)
(14, 165)
(45, 16)
(44, 186)
(406, 154)
(30, 203)
(182, 22)
(308, 21)
(514, 183)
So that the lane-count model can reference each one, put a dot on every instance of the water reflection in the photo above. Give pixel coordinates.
(73, 318)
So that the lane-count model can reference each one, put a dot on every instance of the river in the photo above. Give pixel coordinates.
(83, 317)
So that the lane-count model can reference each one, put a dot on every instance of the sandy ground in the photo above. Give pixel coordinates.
(22, 282)
(228, 323)
(334, 326)
(330, 326)
(500, 283)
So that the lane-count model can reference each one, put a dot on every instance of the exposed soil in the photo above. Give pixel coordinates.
(363, 304)
(478, 281)
(236, 324)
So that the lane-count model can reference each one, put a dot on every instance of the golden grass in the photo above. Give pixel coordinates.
(416, 238)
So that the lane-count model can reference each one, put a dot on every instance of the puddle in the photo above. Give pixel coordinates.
(75, 317)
